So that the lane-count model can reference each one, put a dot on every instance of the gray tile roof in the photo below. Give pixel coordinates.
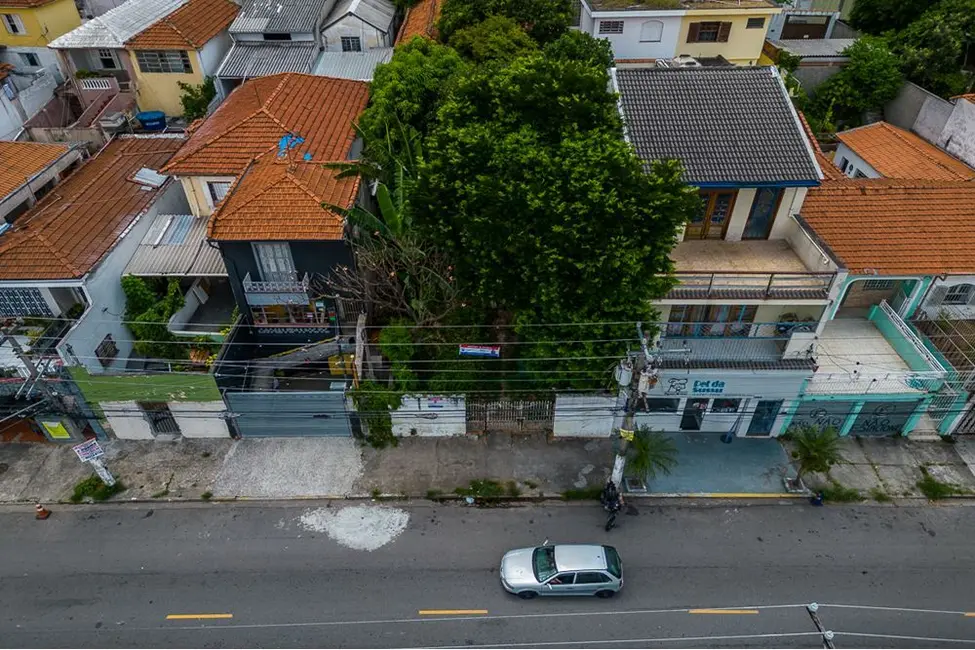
(378, 13)
(176, 245)
(262, 59)
(277, 16)
(733, 126)
(359, 66)
(117, 25)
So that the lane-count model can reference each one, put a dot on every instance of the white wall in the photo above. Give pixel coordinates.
(11, 118)
(584, 416)
(856, 163)
(350, 25)
(628, 44)
(792, 199)
(934, 300)
(213, 52)
(958, 136)
(126, 421)
(815, 258)
(48, 59)
(104, 288)
(200, 419)
(739, 214)
(434, 416)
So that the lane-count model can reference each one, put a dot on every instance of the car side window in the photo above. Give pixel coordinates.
(591, 578)
(563, 579)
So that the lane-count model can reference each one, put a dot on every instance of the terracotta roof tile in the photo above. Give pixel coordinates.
(970, 97)
(896, 226)
(21, 160)
(257, 114)
(897, 153)
(421, 20)
(187, 28)
(255, 208)
(830, 171)
(66, 234)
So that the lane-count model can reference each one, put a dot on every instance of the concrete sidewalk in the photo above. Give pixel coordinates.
(529, 465)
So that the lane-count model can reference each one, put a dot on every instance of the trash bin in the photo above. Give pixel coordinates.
(152, 120)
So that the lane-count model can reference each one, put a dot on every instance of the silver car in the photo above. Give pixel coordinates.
(562, 570)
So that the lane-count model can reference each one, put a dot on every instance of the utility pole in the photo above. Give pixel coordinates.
(35, 376)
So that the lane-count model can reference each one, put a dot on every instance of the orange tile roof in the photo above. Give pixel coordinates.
(830, 171)
(66, 234)
(970, 97)
(281, 199)
(187, 28)
(257, 114)
(421, 20)
(21, 160)
(896, 226)
(23, 4)
(897, 153)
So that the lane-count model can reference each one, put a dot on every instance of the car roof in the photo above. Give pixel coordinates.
(579, 557)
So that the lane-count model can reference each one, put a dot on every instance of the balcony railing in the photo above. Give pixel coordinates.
(289, 282)
(785, 345)
(751, 286)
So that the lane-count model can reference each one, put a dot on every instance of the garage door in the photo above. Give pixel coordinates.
(883, 418)
(287, 414)
(821, 415)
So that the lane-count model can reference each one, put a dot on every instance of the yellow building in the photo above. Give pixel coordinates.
(733, 31)
(27, 28)
(184, 47)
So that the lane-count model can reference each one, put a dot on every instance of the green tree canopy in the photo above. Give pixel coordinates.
(498, 38)
(580, 46)
(932, 49)
(871, 79)
(407, 91)
(879, 16)
(544, 20)
(196, 99)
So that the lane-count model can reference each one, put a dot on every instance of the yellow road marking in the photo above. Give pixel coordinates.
(969, 614)
(448, 612)
(722, 611)
(183, 617)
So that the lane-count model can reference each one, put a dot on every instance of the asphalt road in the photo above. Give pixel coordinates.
(113, 576)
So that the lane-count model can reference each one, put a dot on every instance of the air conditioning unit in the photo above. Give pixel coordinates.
(682, 61)
(113, 122)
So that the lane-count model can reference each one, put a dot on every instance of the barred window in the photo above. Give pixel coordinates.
(106, 351)
(610, 26)
(163, 61)
(351, 44)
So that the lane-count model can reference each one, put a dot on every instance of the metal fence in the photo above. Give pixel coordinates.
(509, 415)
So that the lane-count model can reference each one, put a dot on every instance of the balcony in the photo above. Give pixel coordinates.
(277, 289)
(880, 354)
(749, 346)
(745, 270)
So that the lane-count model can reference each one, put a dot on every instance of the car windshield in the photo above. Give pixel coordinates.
(543, 563)
(613, 563)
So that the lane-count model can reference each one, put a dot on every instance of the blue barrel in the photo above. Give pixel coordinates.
(152, 120)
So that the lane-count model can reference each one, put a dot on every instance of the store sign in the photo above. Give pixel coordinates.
(88, 451)
(480, 351)
(709, 387)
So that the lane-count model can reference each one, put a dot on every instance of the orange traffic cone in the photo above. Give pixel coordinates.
(40, 512)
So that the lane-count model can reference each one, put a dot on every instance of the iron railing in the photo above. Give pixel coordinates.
(289, 282)
(738, 285)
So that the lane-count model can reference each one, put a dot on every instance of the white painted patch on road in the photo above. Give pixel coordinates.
(364, 528)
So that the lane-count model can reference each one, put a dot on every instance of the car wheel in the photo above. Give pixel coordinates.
(605, 594)
(526, 595)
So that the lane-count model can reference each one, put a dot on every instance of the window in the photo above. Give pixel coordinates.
(106, 351)
(878, 285)
(274, 261)
(107, 60)
(712, 220)
(762, 215)
(591, 578)
(163, 61)
(563, 579)
(651, 31)
(960, 294)
(14, 24)
(755, 23)
(613, 564)
(711, 320)
(610, 26)
(725, 405)
(217, 191)
(351, 44)
(543, 563)
(844, 163)
(30, 59)
(277, 37)
(662, 405)
(708, 32)
(859, 174)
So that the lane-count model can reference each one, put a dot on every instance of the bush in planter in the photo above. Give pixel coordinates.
(650, 452)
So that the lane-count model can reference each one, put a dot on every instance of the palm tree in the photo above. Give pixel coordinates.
(651, 452)
(816, 450)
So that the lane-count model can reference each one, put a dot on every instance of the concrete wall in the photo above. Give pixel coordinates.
(47, 57)
(212, 53)
(958, 135)
(813, 76)
(41, 24)
(197, 195)
(905, 111)
(351, 25)
(629, 45)
(584, 416)
(104, 288)
(126, 420)
(160, 91)
(744, 46)
(433, 416)
(200, 419)
(854, 163)
(934, 300)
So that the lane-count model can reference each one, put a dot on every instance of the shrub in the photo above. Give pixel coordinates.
(482, 488)
(879, 495)
(840, 494)
(95, 489)
(934, 489)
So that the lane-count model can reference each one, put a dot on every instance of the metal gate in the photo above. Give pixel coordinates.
(289, 414)
(967, 422)
(883, 418)
(509, 415)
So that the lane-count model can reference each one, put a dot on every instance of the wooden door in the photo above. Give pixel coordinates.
(711, 222)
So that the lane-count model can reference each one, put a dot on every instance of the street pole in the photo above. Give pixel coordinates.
(625, 374)
(35, 376)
